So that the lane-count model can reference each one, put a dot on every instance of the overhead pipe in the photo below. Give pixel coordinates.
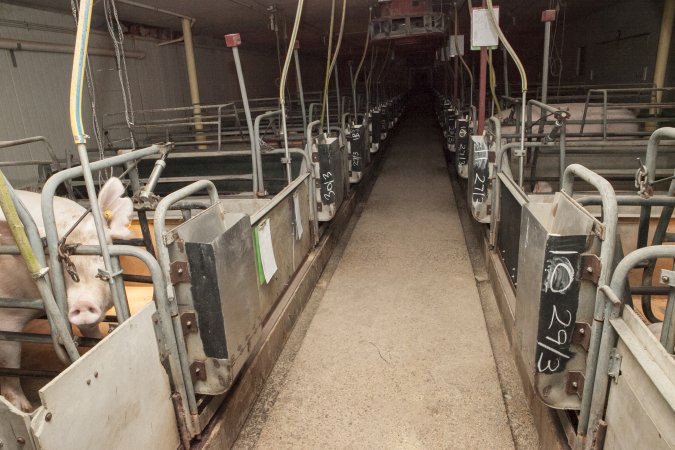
(18, 45)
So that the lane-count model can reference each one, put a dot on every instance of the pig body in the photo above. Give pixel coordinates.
(88, 299)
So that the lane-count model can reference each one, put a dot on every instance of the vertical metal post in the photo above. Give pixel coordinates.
(234, 41)
(507, 89)
(663, 49)
(301, 93)
(547, 17)
(482, 90)
(337, 93)
(192, 79)
(351, 74)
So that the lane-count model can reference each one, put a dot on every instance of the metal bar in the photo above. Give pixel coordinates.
(611, 310)
(164, 261)
(23, 303)
(48, 215)
(18, 45)
(257, 152)
(610, 219)
(249, 123)
(37, 338)
(298, 75)
(186, 24)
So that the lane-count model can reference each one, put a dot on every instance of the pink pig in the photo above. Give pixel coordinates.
(88, 299)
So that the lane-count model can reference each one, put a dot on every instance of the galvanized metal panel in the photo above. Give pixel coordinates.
(15, 433)
(115, 396)
(638, 414)
(544, 227)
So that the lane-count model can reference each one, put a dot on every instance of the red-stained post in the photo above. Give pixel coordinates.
(481, 90)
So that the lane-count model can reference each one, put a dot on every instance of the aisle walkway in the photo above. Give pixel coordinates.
(397, 355)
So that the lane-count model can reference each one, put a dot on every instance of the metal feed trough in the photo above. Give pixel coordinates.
(330, 172)
(564, 253)
(358, 146)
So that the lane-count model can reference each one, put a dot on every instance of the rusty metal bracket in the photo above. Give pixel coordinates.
(575, 383)
(188, 321)
(179, 272)
(198, 371)
(582, 335)
(590, 267)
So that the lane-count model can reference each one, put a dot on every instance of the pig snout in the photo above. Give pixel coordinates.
(84, 312)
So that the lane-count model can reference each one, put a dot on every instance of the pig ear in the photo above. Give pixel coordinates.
(116, 208)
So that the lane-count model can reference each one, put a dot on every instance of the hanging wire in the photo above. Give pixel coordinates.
(102, 174)
(117, 35)
(282, 87)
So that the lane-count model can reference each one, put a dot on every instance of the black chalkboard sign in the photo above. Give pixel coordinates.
(559, 302)
(328, 158)
(481, 174)
(357, 144)
(462, 142)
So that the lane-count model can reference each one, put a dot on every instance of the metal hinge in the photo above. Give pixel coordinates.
(179, 272)
(575, 383)
(590, 267)
(614, 367)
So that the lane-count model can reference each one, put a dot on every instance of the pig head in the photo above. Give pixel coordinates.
(88, 300)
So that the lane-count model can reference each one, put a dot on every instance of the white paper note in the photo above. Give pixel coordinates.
(482, 34)
(296, 216)
(269, 264)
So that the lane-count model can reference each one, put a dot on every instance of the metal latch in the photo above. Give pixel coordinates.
(179, 272)
(614, 367)
(575, 383)
(590, 267)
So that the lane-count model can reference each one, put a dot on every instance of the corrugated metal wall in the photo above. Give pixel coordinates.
(34, 87)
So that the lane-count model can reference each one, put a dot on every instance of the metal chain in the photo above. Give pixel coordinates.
(117, 35)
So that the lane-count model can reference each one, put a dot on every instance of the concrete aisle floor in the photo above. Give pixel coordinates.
(397, 355)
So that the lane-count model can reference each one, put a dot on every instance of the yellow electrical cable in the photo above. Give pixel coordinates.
(77, 75)
(365, 47)
(507, 45)
(493, 82)
(282, 86)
